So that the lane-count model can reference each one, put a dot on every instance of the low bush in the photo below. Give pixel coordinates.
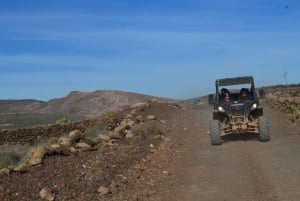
(63, 120)
(11, 155)
(148, 128)
(295, 111)
(95, 130)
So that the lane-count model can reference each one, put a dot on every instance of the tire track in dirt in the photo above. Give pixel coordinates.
(242, 168)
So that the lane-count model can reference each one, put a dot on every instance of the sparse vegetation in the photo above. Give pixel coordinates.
(94, 131)
(11, 155)
(63, 120)
(147, 129)
(14, 120)
(295, 111)
(286, 101)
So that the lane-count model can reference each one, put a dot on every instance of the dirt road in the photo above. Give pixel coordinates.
(242, 168)
(180, 165)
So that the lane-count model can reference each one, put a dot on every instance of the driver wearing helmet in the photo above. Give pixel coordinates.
(244, 94)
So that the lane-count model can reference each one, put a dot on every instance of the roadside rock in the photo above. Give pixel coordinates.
(21, 168)
(104, 138)
(46, 194)
(4, 171)
(129, 134)
(103, 190)
(36, 155)
(125, 124)
(114, 135)
(55, 148)
(151, 117)
(65, 142)
(75, 136)
(83, 145)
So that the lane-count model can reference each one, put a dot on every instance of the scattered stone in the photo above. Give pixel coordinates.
(129, 134)
(130, 122)
(75, 136)
(82, 174)
(36, 155)
(47, 194)
(140, 105)
(114, 135)
(151, 146)
(133, 112)
(56, 148)
(4, 171)
(104, 138)
(65, 142)
(151, 117)
(103, 190)
(163, 121)
(21, 168)
(165, 172)
(154, 100)
(83, 145)
(112, 142)
(73, 150)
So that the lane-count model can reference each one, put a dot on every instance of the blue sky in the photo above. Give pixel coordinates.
(166, 48)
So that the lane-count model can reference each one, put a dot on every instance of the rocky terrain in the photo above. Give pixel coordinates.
(107, 158)
(285, 99)
(153, 151)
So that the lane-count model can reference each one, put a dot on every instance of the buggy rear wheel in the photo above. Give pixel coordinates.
(214, 130)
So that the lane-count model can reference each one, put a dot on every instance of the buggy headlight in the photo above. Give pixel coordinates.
(253, 106)
(221, 109)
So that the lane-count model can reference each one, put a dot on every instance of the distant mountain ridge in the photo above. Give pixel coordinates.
(25, 105)
(80, 103)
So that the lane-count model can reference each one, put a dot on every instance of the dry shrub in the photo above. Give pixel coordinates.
(95, 130)
(295, 111)
(11, 155)
(147, 129)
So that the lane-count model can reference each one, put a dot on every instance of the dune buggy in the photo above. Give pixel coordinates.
(237, 110)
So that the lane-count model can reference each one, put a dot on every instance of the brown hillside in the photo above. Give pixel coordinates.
(20, 105)
(95, 103)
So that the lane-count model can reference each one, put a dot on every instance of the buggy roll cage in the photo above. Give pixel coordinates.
(235, 81)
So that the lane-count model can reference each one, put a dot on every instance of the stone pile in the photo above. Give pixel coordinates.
(76, 141)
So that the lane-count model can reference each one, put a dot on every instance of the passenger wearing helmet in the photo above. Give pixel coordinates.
(225, 95)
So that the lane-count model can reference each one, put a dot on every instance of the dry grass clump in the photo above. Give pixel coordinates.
(149, 128)
(11, 155)
(94, 131)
